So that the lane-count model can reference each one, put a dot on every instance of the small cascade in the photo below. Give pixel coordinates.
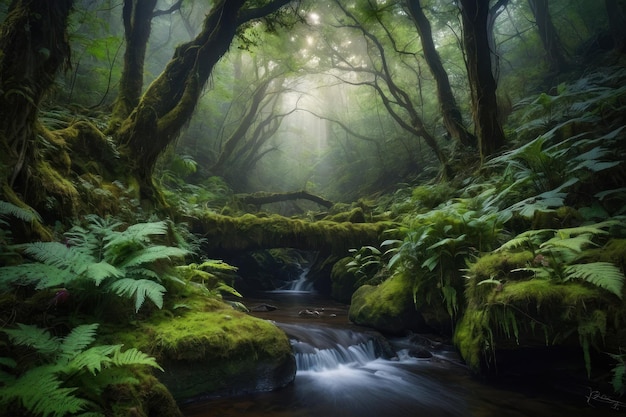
(301, 284)
(309, 358)
(320, 348)
(298, 285)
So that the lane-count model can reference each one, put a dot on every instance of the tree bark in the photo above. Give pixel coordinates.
(137, 17)
(244, 125)
(33, 48)
(617, 24)
(549, 36)
(474, 14)
(169, 102)
(452, 117)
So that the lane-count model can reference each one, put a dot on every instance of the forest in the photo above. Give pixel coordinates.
(445, 168)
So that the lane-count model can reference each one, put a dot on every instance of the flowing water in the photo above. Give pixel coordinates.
(345, 370)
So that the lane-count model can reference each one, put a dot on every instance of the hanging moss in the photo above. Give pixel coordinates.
(507, 309)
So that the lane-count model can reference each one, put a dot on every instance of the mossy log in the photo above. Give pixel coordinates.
(261, 198)
(250, 232)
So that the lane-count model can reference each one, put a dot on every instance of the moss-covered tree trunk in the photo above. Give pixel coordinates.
(33, 48)
(489, 132)
(169, 102)
(452, 117)
(137, 17)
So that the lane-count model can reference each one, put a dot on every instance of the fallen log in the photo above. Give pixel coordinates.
(260, 198)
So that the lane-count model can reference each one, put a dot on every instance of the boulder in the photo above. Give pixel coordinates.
(388, 307)
(212, 350)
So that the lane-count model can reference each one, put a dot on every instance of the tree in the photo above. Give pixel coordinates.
(33, 48)
(549, 36)
(474, 15)
(617, 24)
(452, 117)
(399, 102)
(169, 102)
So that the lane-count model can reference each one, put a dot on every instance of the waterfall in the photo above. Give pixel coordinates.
(301, 284)
(319, 348)
(313, 359)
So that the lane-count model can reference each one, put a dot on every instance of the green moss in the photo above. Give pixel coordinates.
(387, 307)
(250, 232)
(343, 281)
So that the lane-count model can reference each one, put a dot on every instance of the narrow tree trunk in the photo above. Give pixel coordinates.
(137, 17)
(169, 102)
(617, 24)
(549, 36)
(483, 85)
(452, 118)
(33, 48)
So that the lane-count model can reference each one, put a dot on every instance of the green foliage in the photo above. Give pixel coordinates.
(439, 244)
(102, 254)
(558, 255)
(368, 263)
(68, 377)
(211, 277)
(619, 372)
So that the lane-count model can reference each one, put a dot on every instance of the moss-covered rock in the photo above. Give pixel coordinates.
(510, 310)
(211, 349)
(343, 281)
(387, 307)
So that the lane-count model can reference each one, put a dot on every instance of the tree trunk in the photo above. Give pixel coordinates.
(244, 125)
(33, 48)
(137, 17)
(617, 24)
(452, 118)
(548, 34)
(169, 102)
(474, 14)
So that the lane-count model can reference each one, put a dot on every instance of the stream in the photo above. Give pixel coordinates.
(345, 370)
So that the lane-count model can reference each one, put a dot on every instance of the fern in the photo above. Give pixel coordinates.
(40, 392)
(139, 289)
(602, 274)
(20, 213)
(133, 356)
(153, 254)
(78, 339)
(40, 275)
(34, 337)
(137, 234)
(70, 369)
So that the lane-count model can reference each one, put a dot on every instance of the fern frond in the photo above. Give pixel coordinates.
(93, 359)
(20, 213)
(133, 356)
(141, 273)
(137, 233)
(40, 392)
(100, 271)
(576, 244)
(59, 255)
(602, 274)
(35, 337)
(139, 289)
(217, 265)
(78, 339)
(530, 238)
(43, 276)
(153, 254)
